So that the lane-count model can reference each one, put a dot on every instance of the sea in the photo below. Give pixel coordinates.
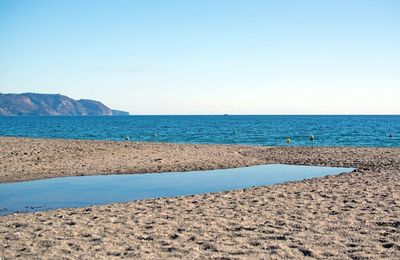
(263, 130)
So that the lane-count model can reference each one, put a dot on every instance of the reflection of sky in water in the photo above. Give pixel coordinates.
(69, 192)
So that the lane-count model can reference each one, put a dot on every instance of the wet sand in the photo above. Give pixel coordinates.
(348, 216)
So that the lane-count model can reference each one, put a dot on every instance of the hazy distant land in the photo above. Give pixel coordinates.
(51, 104)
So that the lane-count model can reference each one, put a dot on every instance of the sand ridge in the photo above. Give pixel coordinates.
(348, 216)
(24, 159)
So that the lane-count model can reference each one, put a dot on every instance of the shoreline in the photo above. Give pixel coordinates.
(24, 159)
(350, 215)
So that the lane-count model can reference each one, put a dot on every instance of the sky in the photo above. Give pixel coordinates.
(208, 56)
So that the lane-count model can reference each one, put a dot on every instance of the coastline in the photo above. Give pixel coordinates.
(350, 215)
(25, 159)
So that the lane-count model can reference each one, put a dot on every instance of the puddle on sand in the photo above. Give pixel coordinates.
(72, 192)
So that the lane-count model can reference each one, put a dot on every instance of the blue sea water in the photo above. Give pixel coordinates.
(328, 130)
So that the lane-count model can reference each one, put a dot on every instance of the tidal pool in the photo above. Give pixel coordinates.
(72, 192)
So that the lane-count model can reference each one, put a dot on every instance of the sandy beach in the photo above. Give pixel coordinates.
(353, 215)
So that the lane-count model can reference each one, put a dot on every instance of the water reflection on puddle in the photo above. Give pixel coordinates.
(70, 192)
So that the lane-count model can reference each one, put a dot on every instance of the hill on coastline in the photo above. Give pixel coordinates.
(51, 104)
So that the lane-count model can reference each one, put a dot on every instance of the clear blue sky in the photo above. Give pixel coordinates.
(207, 57)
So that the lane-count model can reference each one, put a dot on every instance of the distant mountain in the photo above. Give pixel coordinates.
(51, 104)
(119, 113)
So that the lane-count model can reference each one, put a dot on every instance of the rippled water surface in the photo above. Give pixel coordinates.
(253, 130)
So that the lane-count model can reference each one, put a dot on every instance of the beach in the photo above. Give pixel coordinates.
(353, 215)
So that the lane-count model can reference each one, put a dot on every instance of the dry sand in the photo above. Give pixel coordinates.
(348, 216)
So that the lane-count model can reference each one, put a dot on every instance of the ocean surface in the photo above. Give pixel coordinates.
(337, 130)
